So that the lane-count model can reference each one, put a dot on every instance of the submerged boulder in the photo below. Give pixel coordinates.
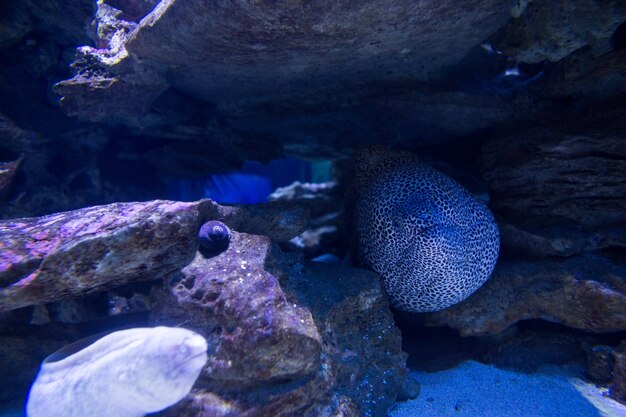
(79, 252)
(285, 338)
(586, 292)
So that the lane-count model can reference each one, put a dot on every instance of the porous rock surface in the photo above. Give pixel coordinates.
(586, 292)
(285, 339)
(260, 335)
(75, 253)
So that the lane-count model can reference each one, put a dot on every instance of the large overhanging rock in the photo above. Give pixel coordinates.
(251, 51)
(79, 252)
(239, 55)
(553, 29)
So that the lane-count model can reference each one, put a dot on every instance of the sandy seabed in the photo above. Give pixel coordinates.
(476, 390)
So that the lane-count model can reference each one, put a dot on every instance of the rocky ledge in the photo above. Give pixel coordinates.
(75, 253)
(285, 337)
(587, 293)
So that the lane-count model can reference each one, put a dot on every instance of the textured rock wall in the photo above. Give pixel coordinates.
(575, 178)
(284, 337)
(177, 88)
(529, 95)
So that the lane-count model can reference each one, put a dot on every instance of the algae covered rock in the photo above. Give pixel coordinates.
(75, 253)
(285, 338)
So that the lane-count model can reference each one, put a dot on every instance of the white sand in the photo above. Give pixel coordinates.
(476, 390)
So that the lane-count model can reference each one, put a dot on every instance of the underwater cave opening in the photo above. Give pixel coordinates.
(251, 184)
(523, 347)
(618, 40)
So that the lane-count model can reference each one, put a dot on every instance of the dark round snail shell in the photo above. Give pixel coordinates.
(214, 236)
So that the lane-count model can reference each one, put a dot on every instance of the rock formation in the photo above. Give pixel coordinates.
(296, 338)
(105, 103)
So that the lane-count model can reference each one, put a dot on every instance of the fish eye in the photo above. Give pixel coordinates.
(183, 349)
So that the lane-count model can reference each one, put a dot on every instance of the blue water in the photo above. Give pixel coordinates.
(12, 413)
(252, 184)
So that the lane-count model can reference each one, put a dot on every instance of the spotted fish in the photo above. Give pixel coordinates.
(432, 242)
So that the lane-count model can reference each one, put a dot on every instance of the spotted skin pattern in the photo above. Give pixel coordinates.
(431, 241)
